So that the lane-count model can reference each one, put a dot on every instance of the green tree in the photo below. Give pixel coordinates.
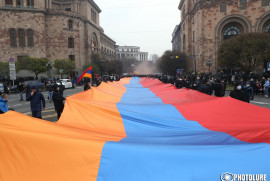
(97, 60)
(4, 68)
(247, 51)
(68, 66)
(113, 67)
(32, 64)
(170, 61)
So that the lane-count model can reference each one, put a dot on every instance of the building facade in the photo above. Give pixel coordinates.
(176, 38)
(131, 53)
(53, 29)
(205, 24)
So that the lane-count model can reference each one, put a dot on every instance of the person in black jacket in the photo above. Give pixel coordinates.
(20, 89)
(58, 99)
(206, 88)
(61, 88)
(35, 99)
(218, 89)
(27, 90)
(87, 86)
(238, 93)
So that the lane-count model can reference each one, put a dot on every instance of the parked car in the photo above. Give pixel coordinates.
(39, 85)
(66, 82)
(2, 90)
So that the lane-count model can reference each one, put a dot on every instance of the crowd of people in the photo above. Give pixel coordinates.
(244, 88)
(37, 99)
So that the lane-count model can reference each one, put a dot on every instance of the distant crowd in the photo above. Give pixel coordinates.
(243, 87)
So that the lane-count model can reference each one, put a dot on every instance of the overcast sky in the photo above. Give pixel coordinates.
(148, 24)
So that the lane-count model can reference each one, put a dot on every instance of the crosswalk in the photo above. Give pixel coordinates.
(48, 114)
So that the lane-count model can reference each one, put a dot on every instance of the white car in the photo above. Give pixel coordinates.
(66, 82)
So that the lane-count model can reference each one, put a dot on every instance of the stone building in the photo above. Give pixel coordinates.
(176, 38)
(54, 29)
(205, 24)
(131, 53)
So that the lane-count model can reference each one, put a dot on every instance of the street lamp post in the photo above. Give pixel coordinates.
(48, 65)
(61, 71)
(209, 63)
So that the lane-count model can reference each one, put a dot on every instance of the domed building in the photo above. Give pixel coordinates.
(53, 29)
(205, 24)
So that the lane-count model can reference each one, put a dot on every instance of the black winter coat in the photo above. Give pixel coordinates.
(35, 101)
(238, 94)
(58, 101)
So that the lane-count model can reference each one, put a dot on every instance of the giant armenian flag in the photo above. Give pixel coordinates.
(137, 129)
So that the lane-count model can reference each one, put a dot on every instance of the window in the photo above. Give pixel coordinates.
(267, 28)
(231, 32)
(70, 42)
(243, 4)
(19, 3)
(30, 3)
(9, 3)
(102, 50)
(71, 57)
(67, 9)
(93, 16)
(20, 58)
(21, 38)
(94, 44)
(70, 24)
(265, 2)
(13, 37)
(30, 37)
(223, 7)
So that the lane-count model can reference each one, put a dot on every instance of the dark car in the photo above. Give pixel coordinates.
(39, 85)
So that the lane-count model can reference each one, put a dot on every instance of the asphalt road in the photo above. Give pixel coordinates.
(50, 114)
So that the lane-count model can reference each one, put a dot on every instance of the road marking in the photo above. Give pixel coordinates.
(48, 110)
(49, 116)
(259, 102)
(12, 100)
(17, 105)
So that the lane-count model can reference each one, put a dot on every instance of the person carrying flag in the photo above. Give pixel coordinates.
(86, 73)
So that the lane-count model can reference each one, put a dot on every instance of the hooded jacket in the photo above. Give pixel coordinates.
(3, 105)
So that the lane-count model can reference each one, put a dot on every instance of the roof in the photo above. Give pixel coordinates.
(181, 4)
(95, 5)
(121, 47)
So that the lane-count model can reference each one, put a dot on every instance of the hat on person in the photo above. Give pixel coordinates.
(33, 87)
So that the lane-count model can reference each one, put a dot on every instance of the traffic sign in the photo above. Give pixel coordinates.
(268, 66)
(178, 71)
(11, 59)
(12, 69)
(12, 75)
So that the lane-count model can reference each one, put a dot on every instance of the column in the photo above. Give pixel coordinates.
(50, 4)
(14, 3)
(25, 3)
(2, 3)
